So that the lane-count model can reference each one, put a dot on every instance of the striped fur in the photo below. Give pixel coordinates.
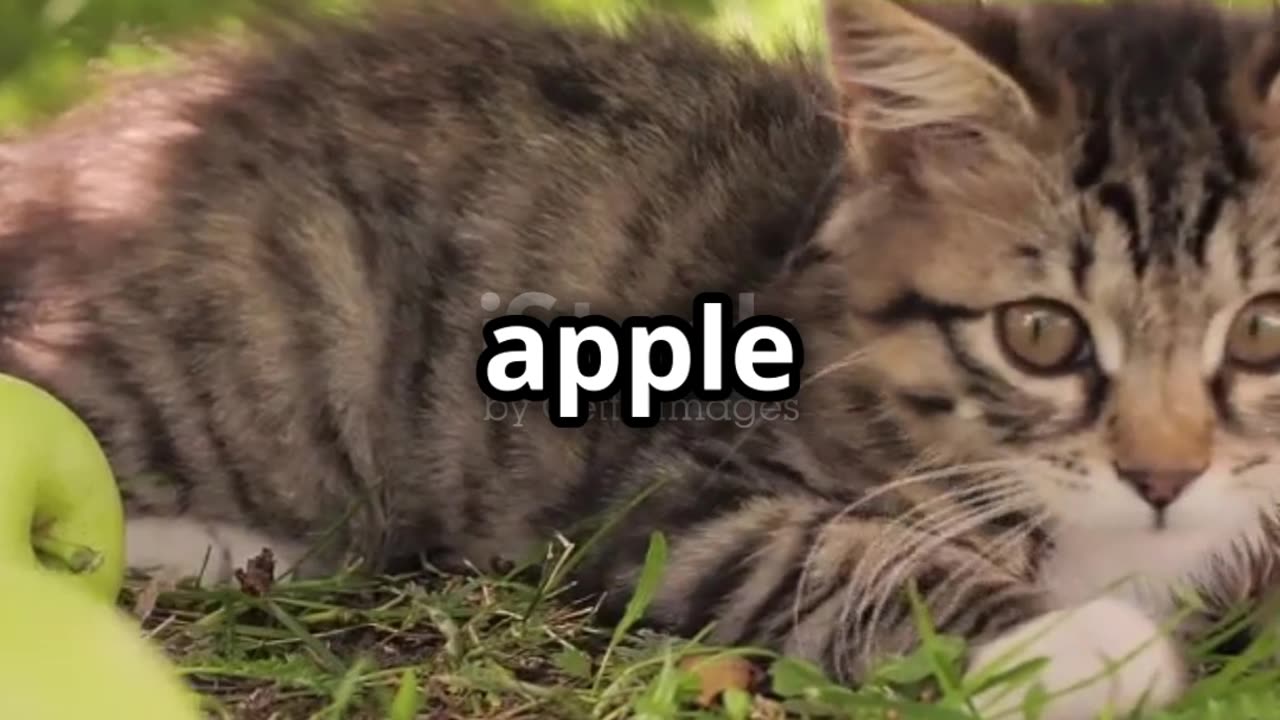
(261, 278)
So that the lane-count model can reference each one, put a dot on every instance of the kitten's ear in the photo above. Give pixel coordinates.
(1259, 81)
(899, 72)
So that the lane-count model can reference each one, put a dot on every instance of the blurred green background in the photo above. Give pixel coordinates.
(50, 49)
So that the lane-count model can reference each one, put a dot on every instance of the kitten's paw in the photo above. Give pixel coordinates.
(1079, 644)
(178, 547)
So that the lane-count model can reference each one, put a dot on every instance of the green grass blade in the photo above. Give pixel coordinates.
(655, 563)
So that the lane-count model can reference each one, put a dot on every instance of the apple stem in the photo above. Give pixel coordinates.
(74, 557)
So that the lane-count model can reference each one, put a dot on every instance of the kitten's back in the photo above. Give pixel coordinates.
(260, 278)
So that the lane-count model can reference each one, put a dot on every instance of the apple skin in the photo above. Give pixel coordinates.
(66, 655)
(67, 652)
(56, 485)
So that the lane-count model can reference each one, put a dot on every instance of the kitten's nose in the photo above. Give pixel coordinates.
(1158, 487)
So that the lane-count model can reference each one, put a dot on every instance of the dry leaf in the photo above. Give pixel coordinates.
(145, 602)
(717, 674)
(258, 575)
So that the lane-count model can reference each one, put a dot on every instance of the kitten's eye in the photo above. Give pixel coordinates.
(1042, 336)
(1254, 339)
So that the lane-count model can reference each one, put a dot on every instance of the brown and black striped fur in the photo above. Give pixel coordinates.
(261, 279)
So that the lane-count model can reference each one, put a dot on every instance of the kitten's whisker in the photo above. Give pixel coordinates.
(880, 491)
(870, 597)
(849, 360)
(904, 543)
(1001, 543)
(953, 584)
(903, 538)
(997, 221)
(989, 486)
(884, 586)
(894, 531)
(940, 508)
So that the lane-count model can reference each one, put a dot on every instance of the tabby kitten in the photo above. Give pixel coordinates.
(1031, 251)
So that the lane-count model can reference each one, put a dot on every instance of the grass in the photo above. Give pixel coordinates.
(441, 646)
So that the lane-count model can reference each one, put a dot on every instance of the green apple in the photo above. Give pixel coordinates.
(59, 503)
(65, 655)
(66, 651)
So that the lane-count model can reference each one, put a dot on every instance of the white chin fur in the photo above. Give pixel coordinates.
(1107, 541)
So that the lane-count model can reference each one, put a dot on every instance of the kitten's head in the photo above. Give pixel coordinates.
(1068, 252)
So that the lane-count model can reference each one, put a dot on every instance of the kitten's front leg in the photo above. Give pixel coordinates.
(818, 583)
